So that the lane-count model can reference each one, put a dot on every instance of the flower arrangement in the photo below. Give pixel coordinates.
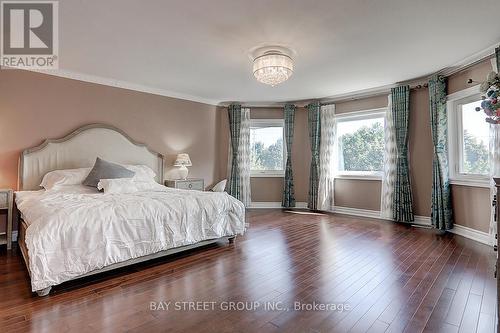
(491, 98)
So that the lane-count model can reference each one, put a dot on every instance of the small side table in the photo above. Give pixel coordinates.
(6, 204)
(187, 184)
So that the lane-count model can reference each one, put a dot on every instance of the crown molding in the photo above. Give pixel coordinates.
(461, 65)
(478, 57)
(123, 85)
(255, 104)
(472, 60)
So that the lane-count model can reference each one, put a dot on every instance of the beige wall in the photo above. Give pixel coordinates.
(364, 194)
(477, 73)
(35, 106)
(270, 189)
(421, 150)
(354, 105)
(471, 204)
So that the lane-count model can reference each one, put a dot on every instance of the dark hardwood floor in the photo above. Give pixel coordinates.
(388, 277)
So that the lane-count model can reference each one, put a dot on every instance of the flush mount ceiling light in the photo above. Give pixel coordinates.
(272, 65)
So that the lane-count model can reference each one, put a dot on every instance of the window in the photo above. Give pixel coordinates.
(360, 139)
(468, 134)
(267, 148)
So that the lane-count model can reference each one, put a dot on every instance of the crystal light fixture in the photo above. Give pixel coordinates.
(272, 66)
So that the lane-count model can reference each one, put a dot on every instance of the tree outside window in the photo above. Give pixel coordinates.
(361, 144)
(267, 147)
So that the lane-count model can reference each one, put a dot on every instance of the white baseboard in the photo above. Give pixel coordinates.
(266, 205)
(424, 220)
(478, 236)
(461, 230)
(375, 214)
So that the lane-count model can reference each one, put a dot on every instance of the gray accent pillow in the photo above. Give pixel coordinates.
(106, 170)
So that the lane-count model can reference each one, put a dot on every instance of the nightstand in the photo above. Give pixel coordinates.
(6, 204)
(186, 184)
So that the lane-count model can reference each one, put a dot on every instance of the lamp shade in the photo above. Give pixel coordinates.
(182, 160)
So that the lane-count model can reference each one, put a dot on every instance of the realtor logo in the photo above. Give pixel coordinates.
(29, 31)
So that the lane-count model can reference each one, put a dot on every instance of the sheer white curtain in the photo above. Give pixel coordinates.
(390, 156)
(327, 157)
(243, 158)
(494, 161)
(244, 155)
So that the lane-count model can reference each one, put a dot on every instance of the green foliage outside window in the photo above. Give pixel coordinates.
(475, 155)
(267, 158)
(363, 150)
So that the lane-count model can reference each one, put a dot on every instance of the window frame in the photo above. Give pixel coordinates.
(455, 138)
(359, 115)
(262, 123)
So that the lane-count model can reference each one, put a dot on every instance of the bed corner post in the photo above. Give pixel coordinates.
(231, 239)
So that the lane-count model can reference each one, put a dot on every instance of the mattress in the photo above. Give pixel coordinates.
(74, 230)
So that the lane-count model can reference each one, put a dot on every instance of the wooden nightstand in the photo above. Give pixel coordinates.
(187, 184)
(6, 204)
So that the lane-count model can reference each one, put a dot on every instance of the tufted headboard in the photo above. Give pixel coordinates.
(79, 149)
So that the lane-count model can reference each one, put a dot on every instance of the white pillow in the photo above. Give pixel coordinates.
(118, 185)
(143, 173)
(54, 178)
(220, 186)
(64, 177)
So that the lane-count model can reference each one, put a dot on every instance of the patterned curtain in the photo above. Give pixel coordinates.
(402, 203)
(441, 210)
(497, 53)
(288, 191)
(390, 164)
(241, 185)
(314, 120)
(234, 111)
(327, 158)
(494, 161)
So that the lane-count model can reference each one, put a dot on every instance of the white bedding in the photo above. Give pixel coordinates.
(74, 230)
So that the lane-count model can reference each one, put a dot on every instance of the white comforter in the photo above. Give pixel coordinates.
(77, 230)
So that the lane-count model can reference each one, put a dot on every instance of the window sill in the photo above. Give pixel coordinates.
(470, 182)
(359, 177)
(267, 175)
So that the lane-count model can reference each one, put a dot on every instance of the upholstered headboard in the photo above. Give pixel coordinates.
(79, 149)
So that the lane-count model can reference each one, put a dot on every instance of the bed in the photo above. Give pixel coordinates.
(77, 231)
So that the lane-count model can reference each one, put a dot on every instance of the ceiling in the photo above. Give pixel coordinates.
(198, 50)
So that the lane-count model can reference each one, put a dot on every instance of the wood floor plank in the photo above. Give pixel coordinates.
(470, 318)
(428, 304)
(404, 261)
(457, 307)
(392, 277)
(486, 323)
(378, 327)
